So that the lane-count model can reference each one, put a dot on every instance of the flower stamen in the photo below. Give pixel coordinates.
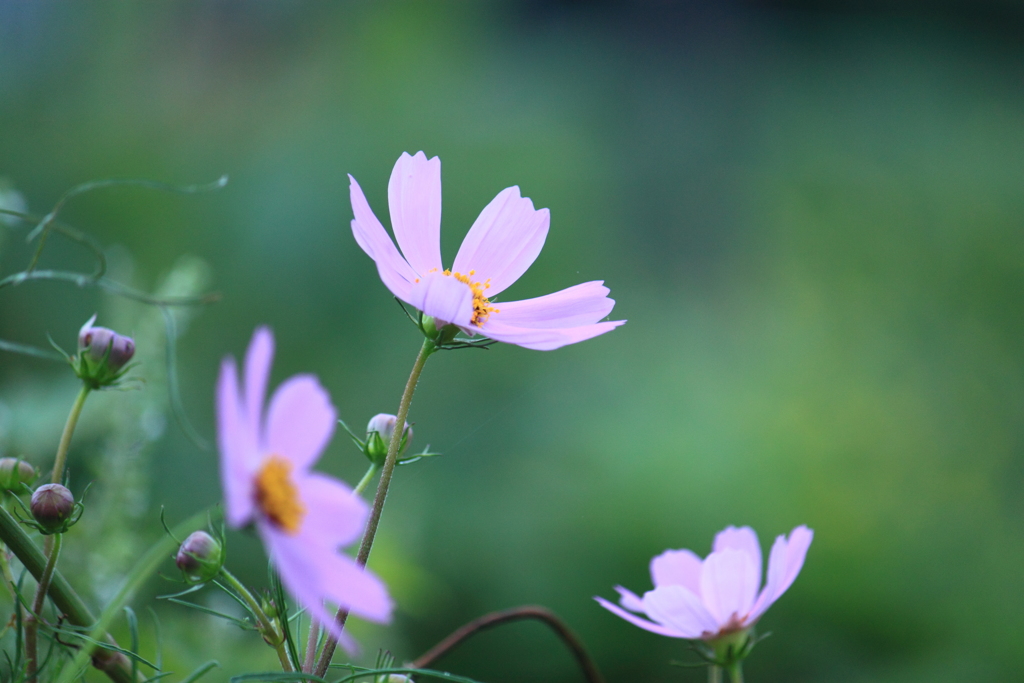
(277, 496)
(482, 307)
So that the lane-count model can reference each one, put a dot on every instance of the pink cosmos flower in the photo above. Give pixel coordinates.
(710, 598)
(503, 242)
(302, 517)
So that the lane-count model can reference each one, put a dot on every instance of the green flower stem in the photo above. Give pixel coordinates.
(5, 569)
(309, 659)
(736, 672)
(114, 664)
(382, 491)
(367, 478)
(5, 566)
(714, 674)
(65, 438)
(32, 621)
(269, 632)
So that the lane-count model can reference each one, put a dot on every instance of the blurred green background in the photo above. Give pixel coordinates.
(810, 213)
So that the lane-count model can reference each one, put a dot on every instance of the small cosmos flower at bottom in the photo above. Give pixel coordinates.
(717, 597)
(302, 517)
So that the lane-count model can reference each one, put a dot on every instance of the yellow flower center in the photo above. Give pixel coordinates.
(482, 307)
(277, 496)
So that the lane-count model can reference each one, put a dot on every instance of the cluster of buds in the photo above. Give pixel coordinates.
(200, 557)
(54, 509)
(103, 355)
(379, 432)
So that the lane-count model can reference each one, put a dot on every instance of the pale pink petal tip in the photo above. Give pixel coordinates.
(395, 272)
(258, 360)
(235, 441)
(545, 339)
(743, 539)
(677, 568)
(637, 621)
(414, 198)
(799, 542)
(629, 599)
(504, 241)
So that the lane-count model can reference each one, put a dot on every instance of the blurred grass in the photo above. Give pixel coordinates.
(811, 220)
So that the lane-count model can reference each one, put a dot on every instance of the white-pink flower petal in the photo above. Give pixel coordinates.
(300, 421)
(237, 445)
(680, 610)
(728, 585)
(677, 568)
(504, 241)
(363, 593)
(784, 563)
(340, 515)
(395, 272)
(444, 298)
(302, 576)
(582, 304)
(337, 578)
(799, 542)
(743, 539)
(630, 600)
(637, 621)
(258, 359)
(414, 197)
(543, 338)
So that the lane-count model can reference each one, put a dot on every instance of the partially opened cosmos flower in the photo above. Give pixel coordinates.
(502, 243)
(302, 517)
(717, 596)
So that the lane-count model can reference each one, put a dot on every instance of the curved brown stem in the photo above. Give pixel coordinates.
(561, 629)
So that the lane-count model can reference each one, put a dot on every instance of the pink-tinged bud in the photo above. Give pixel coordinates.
(101, 342)
(200, 557)
(378, 437)
(14, 472)
(102, 354)
(53, 507)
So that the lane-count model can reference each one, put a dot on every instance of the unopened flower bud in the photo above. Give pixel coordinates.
(53, 507)
(438, 331)
(200, 557)
(102, 354)
(14, 472)
(379, 432)
(269, 607)
(101, 342)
